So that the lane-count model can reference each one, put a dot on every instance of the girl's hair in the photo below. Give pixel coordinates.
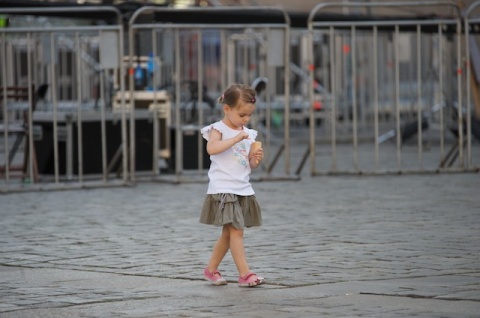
(237, 92)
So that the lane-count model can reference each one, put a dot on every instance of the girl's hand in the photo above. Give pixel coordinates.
(255, 158)
(216, 145)
(242, 135)
(257, 155)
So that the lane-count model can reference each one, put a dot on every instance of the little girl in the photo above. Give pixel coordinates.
(230, 201)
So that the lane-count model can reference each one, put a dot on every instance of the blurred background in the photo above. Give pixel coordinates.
(104, 92)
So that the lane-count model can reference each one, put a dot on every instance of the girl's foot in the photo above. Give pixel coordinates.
(250, 280)
(215, 278)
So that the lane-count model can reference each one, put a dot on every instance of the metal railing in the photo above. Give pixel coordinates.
(472, 49)
(409, 69)
(241, 52)
(395, 93)
(53, 134)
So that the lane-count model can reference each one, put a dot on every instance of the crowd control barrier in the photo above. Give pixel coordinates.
(398, 96)
(192, 55)
(56, 129)
(472, 49)
(386, 90)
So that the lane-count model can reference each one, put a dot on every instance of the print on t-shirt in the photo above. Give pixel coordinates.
(240, 153)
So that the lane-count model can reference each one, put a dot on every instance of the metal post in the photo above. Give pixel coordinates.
(200, 98)
(441, 97)
(287, 101)
(131, 109)
(397, 96)
(31, 152)
(375, 95)
(55, 105)
(156, 119)
(333, 117)
(79, 109)
(419, 97)
(354, 98)
(460, 96)
(311, 69)
(5, 110)
(178, 128)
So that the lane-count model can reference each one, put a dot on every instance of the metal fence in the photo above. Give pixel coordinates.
(54, 98)
(194, 54)
(398, 99)
(87, 106)
(472, 49)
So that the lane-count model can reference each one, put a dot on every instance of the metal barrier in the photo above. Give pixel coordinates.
(69, 106)
(61, 125)
(472, 49)
(389, 79)
(194, 54)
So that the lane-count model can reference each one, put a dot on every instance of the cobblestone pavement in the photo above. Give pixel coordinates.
(385, 246)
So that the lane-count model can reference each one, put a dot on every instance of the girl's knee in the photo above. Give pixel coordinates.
(235, 232)
(226, 231)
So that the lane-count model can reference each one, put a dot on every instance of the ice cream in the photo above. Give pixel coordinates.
(255, 146)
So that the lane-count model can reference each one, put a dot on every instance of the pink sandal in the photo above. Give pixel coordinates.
(250, 280)
(215, 278)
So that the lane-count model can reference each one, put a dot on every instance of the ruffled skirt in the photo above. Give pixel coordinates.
(226, 208)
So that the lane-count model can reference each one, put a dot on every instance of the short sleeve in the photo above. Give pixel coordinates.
(205, 131)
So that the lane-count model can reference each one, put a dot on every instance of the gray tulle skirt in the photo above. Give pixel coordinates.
(226, 208)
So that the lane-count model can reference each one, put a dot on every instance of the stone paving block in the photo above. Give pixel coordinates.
(391, 246)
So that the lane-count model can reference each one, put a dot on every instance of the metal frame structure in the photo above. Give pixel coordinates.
(43, 43)
(254, 47)
(469, 22)
(352, 31)
(226, 68)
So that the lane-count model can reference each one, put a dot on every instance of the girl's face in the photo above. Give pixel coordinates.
(239, 116)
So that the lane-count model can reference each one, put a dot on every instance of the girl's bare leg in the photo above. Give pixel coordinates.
(237, 250)
(219, 250)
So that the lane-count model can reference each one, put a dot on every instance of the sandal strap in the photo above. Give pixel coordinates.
(247, 276)
(214, 273)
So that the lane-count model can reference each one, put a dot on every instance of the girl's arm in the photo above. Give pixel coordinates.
(216, 145)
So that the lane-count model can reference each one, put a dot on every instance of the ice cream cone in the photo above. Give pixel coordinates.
(255, 146)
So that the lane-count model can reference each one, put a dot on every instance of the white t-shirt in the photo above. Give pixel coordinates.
(230, 170)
